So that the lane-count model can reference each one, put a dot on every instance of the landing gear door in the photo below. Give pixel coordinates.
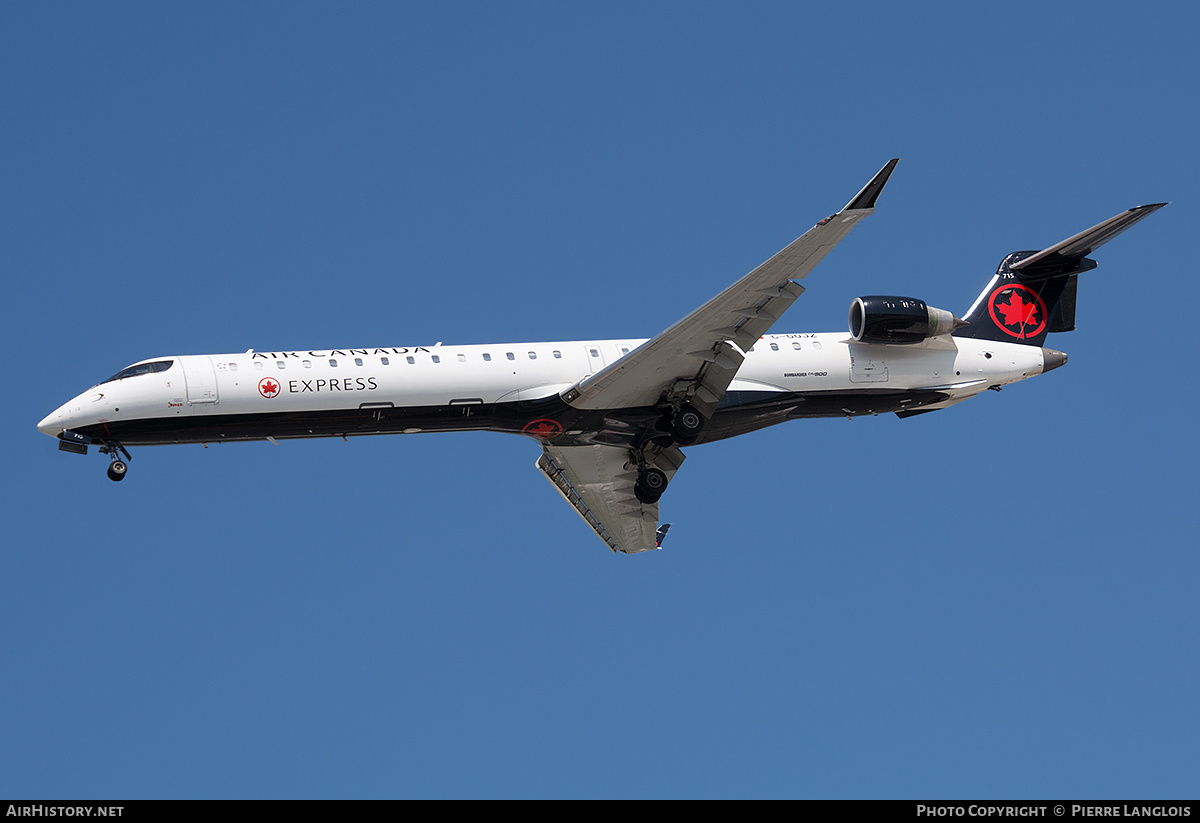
(201, 379)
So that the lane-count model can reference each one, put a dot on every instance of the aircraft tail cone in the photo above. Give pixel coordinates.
(1052, 359)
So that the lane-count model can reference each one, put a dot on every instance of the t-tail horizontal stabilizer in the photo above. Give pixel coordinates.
(1066, 256)
(1033, 292)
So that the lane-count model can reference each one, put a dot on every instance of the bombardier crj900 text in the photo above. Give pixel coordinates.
(611, 416)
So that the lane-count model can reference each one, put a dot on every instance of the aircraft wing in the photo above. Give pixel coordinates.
(697, 358)
(598, 482)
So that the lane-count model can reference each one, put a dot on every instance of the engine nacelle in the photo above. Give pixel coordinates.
(885, 319)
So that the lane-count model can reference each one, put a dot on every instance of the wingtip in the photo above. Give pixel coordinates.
(661, 535)
(866, 198)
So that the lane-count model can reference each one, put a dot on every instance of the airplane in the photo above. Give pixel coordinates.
(612, 417)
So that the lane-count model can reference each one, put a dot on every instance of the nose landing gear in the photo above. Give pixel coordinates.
(117, 468)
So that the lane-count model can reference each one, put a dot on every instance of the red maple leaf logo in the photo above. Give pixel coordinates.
(1017, 311)
(544, 428)
(268, 387)
(1027, 315)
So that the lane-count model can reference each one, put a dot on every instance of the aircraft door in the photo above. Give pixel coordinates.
(867, 366)
(201, 379)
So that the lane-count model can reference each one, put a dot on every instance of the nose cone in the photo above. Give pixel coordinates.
(65, 417)
(56, 421)
(1052, 359)
(52, 423)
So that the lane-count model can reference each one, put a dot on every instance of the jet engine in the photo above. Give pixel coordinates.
(886, 319)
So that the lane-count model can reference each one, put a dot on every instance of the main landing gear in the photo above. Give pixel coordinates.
(117, 468)
(680, 425)
(686, 425)
(650, 485)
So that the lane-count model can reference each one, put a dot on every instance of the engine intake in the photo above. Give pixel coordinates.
(901, 320)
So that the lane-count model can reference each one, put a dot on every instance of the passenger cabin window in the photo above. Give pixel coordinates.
(141, 368)
(624, 350)
(487, 357)
(358, 361)
(383, 360)
(533, 355)
(233, 366)
(462, 358)
(796, 345)
(437, 359)
(258, 366)
(306, 364)
(558, 355)
(593, 353)
(411, 359)
(333, 362)
(817, 345)
(510, 355)
(281, 364)
(774, 347)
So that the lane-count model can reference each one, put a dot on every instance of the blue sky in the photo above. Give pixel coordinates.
(997, 600)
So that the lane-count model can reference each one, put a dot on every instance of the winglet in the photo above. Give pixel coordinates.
(661, 534)
(866, 198)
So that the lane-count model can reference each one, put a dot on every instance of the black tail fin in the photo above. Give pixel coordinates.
(1033, 292)
(1015, 308)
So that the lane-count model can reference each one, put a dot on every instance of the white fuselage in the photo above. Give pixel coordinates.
(387, 381)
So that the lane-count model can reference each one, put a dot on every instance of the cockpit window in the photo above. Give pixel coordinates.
(141, 368)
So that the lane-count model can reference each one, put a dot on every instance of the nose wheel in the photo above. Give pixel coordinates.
(118, 467)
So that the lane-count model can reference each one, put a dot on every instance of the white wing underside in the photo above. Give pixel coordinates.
(598, 483)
